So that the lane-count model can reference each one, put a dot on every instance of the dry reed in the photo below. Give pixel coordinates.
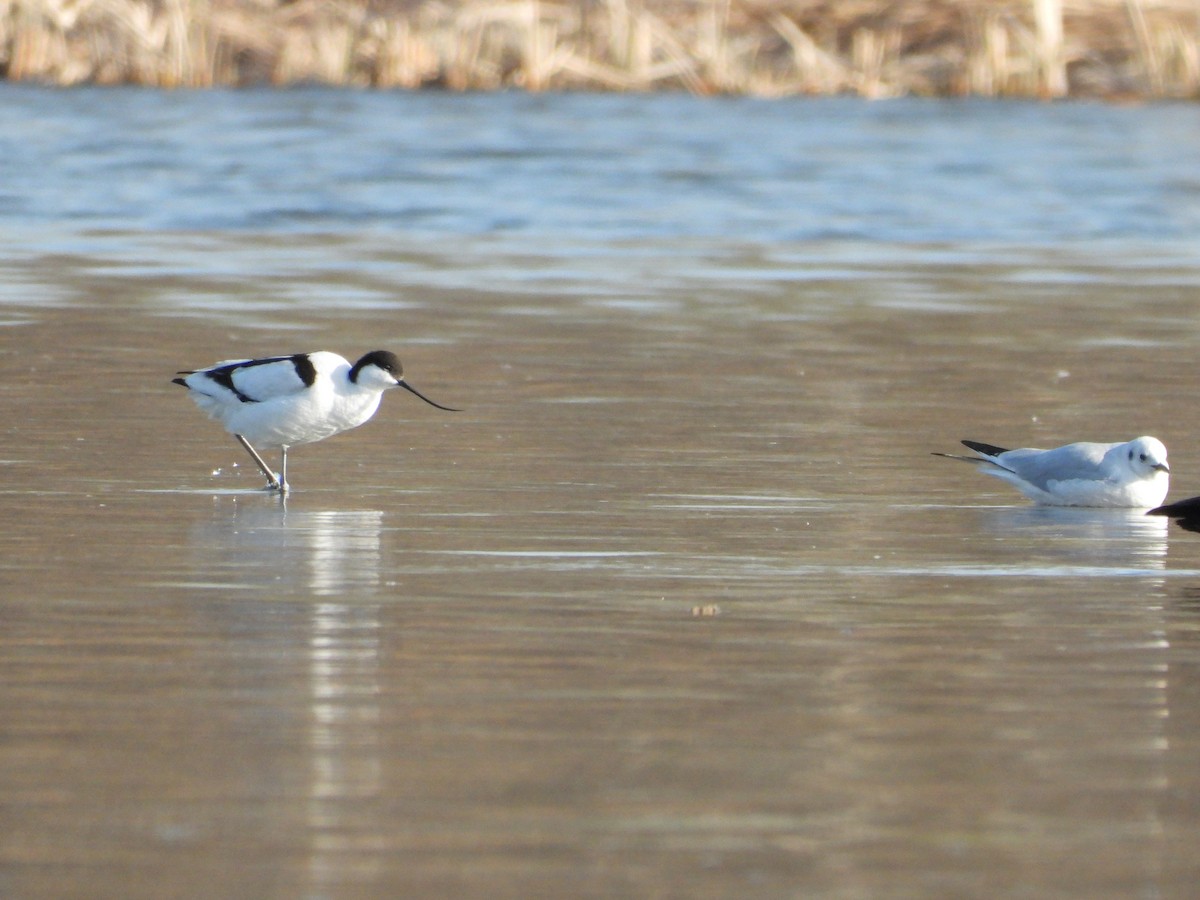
(1047, 48)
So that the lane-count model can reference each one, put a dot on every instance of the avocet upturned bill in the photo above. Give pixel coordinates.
(1129, 475)
(282, 401)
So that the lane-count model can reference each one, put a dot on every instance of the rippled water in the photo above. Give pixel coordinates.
(680, 605)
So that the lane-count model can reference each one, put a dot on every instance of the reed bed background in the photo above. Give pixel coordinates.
(872, 48)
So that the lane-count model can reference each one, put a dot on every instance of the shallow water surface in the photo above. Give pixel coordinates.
(679, 605)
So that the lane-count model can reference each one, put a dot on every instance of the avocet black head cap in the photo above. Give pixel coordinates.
(388, 362)
(380, 359)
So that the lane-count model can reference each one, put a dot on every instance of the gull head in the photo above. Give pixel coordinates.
(1146, 457)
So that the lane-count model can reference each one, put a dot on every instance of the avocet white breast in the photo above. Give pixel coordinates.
(282, 401)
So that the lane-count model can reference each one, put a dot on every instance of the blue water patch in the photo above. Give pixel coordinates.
(597, 167)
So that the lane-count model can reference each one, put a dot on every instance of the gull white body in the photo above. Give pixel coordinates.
(1131, 475)
(283, 401)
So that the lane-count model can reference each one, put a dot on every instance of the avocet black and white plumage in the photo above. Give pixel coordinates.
(282, 401)
(1133, 474)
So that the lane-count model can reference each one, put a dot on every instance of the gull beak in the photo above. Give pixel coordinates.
(1162, 467)
(400, 382)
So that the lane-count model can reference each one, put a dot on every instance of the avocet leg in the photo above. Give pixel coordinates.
(283, 485)
(273, 482)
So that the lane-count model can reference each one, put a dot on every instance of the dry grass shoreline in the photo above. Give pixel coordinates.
(1125, 49)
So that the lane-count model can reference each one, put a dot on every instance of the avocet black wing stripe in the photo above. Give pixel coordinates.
(224, 377)
(256, 380)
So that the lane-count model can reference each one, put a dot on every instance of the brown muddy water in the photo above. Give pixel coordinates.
(680, 605)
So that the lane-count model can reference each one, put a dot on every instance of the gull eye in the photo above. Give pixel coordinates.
(1142, 457)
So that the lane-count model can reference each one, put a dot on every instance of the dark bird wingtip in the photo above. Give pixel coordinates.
(985, 449)
(1180, 509)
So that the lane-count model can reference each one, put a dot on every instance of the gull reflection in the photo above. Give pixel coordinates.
(1111, 538)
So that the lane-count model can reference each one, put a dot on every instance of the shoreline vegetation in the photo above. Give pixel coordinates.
(1107, 49)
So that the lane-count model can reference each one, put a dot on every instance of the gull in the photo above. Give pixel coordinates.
(1133, 474)
(282, 401)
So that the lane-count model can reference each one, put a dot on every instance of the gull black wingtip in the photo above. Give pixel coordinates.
(981, 447)
(408, 387)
